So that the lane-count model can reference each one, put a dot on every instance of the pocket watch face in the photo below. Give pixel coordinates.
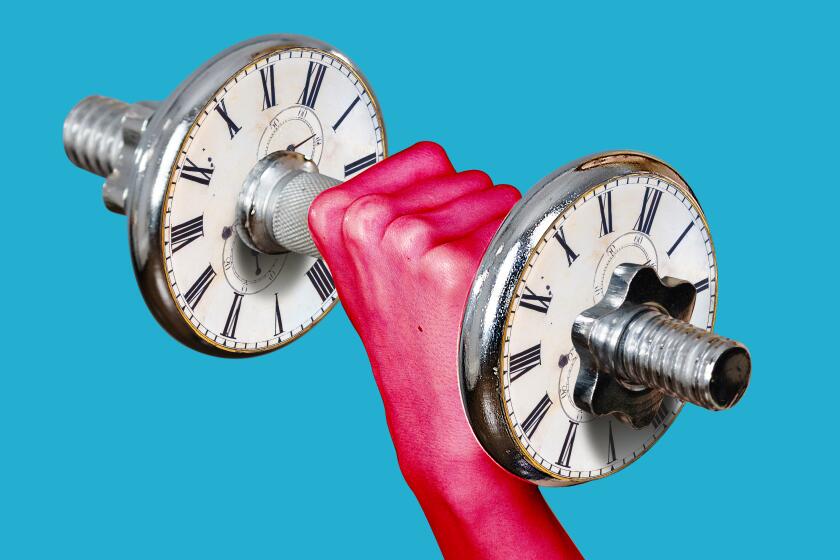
(296, 99)
(639, 218)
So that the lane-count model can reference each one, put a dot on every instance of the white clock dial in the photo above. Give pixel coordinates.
(640, 219)
(295, 99)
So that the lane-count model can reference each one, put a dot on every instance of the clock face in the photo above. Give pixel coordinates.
(640, 219)
(295, 99)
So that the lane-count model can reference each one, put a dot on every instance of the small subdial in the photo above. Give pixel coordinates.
(246, 270)
(634, 248)
(563, 381)
(294, 129)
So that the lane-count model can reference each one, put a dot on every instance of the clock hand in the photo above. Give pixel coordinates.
(257, 257)
(292, 148)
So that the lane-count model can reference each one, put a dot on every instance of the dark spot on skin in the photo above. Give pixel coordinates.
(419, 328)
(226, 232)
(564, 360)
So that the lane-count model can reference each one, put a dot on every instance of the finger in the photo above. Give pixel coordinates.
(470, 212)
(454, 264)
(367, 218)
(418, 162)
(477, 242)
(421, 161)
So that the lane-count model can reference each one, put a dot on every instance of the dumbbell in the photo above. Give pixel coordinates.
(589, 320)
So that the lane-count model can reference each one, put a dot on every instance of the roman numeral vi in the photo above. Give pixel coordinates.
(233, 316)
(568, 443)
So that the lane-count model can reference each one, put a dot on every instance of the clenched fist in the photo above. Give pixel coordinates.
(403, 241)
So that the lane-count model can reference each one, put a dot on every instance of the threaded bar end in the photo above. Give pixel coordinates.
(658, 351)
(92, 134)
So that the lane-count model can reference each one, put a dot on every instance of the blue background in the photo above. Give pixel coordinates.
(117, 442)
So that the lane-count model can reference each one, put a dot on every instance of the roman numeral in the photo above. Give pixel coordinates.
(532, 422)
(344, 115)
(278, 320)
(321, 279)
(359, 164)
(650, 204)
(269, 94)
(605, 205)
(204, 174)
(523, 362)
(184, 234)
(611, 447)
(222, 110)
(193, 295)
(568, 443)
(702, 285)
(680, 238)
(233, 316)
(314, 77)
(661, 414)
(561, 238)
(533, 301)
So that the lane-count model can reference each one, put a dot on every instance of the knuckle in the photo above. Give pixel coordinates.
(451, 267)
(409, 234)
(325, 206)
(365, 217)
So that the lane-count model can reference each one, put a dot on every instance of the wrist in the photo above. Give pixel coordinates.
(472, 489)
(481, 511)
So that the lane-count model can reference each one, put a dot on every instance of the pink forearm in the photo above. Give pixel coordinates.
(494, 516)
(474, 507)
(403, 241)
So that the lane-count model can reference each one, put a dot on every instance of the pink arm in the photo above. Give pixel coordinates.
(403, 241)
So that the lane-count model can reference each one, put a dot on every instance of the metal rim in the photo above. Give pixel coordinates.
(157, 154)
(486, 313)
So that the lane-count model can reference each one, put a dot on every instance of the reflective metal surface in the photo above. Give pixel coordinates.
(636, 345)
(273, 206)
(135, 146)
(492, 290)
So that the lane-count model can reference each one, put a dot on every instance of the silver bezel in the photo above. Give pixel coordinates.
(158, 150)
(486, 313)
